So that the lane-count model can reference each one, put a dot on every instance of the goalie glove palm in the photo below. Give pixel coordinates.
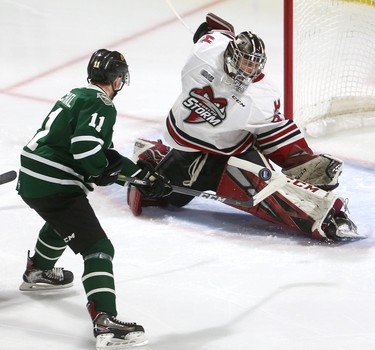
(322, 171)
(159, 185)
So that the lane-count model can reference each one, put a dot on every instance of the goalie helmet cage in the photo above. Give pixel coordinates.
(329, 64)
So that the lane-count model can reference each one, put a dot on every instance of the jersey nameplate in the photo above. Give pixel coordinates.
(67, 99)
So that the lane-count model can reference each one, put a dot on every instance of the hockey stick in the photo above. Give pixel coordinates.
(191, 192)
(178, 16)
(274, 183)
(7, 177)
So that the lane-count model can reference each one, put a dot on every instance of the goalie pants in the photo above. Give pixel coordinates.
(197, 170)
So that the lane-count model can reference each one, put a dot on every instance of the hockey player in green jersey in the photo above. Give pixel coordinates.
(70, 154)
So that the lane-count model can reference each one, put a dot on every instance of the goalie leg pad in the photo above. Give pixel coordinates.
(151, 151)
(296, 205)
(135, 198)
(136, 201)
(274, 208)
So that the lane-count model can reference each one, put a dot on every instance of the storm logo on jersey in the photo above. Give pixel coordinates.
(204, 107)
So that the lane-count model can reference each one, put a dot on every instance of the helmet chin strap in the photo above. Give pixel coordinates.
(115, 91)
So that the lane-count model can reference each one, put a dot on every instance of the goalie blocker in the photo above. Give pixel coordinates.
(297, 205)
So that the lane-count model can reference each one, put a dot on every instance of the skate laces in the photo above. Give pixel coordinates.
(344, 213)
(346, 206)
(115, 320)
(56, 273)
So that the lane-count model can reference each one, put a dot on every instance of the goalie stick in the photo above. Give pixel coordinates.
(7, 177)
(275, 183)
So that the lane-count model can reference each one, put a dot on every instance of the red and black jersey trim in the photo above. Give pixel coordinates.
(279, 136)
(185, 140)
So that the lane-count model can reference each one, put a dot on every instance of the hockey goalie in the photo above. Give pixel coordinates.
(226, 135)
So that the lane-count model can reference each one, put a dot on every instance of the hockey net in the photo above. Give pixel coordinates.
(330, 64)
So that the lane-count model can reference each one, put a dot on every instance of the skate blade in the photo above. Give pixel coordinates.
(107, 342)
(31, 287)
(351, 235)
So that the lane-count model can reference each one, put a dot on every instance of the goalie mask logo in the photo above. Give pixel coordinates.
(204, 107)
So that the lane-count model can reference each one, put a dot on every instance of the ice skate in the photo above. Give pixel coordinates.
(37, 279)
(111, 333)
(342, 228)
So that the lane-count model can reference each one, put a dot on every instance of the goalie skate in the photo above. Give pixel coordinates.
(36, 279)
(111, 333)
(342, 228)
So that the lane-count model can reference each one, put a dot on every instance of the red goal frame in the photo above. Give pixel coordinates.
(288, 58)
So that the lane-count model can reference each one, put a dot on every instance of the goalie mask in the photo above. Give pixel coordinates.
(106, 66)
(244, 59)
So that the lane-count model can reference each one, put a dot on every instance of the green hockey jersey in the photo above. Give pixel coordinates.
(68, 150)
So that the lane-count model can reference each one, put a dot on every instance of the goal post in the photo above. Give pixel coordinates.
(329, 64)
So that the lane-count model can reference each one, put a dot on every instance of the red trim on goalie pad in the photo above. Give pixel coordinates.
(136, 201)
(155, 154)
(275, 208)
(135, 198)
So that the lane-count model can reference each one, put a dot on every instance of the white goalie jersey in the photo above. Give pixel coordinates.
(210, 115)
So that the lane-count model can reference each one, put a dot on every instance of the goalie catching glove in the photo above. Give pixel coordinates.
(213, 22)
(159, 185)
(321, 171)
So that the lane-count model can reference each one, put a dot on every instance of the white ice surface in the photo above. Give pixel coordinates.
(205, 277)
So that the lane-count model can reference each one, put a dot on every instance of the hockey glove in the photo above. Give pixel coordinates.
(202, 30)
(159, 185)
(213, 22)
(322, 171)
(113, 169)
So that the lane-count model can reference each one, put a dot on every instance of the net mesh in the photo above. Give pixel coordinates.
(334, 64)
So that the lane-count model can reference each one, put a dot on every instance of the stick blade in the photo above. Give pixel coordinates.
(8, 177)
